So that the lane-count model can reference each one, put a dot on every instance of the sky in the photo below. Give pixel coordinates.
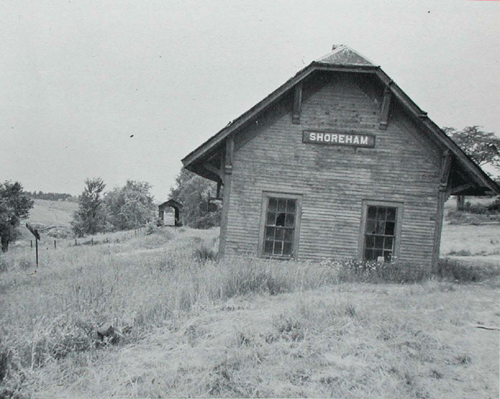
(124, 89)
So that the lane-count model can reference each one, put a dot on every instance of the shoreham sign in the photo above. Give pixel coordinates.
(337, 138)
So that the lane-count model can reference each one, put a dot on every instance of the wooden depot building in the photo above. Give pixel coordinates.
(338, 162)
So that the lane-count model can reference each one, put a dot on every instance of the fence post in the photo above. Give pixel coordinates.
(31, 243)
(92, 241)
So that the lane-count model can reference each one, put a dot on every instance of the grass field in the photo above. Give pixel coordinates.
(46, 214)
(189, 325)
(469, 240)
(52, 212)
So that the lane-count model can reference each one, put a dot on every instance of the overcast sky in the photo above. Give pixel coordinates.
(79, 78)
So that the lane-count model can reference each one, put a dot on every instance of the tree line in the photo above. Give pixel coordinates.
(132, 205)
(122, 208)
(52, 196)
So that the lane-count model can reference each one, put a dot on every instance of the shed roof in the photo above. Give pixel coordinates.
(344, 59)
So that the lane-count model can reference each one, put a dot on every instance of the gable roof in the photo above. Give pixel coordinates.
(344, 59)
(171, 203)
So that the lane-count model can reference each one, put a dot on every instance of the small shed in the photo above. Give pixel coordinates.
(338, 162)
(176, 206)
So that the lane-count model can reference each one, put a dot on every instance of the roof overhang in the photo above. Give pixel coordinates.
(479, 182)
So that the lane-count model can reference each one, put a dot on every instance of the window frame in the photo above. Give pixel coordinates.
(266, 195)
(397, 230)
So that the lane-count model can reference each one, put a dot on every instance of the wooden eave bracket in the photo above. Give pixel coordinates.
(384, 112)
(297, 104)
(228, 164)
(459, 189)
(212, 169)
(218, 189)
(445, 171)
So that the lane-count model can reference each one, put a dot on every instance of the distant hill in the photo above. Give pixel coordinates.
(49, 216)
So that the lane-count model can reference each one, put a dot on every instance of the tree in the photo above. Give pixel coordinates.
(113, 201)
(193, 191)
(90, 218)
(482, 147)
(130, 206)
(15, 205)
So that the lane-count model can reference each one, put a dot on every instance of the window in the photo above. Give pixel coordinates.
(280, 230)
(381, 230)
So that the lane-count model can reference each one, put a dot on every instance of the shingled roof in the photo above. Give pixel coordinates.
(344, 59)
(344, 55)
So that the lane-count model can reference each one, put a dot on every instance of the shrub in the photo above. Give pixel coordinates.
(204, 254)
(353, 270)
(60, 232)
(464, 217)
(477, 209)
(462, 252)
(242, 277)
(151, 228)
(457, 271)
(495, 205)
(475, 214)
(289, 329)
(4, 266)
(4, 363)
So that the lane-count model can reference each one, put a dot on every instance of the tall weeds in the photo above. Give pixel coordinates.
(139, 284)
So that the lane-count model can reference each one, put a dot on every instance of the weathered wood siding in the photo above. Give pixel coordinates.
(270, 156)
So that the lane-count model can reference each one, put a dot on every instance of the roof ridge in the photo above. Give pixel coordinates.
(358, 53)
(351, 57)
(335, 49)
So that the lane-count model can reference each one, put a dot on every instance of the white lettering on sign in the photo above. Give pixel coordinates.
(346, 139)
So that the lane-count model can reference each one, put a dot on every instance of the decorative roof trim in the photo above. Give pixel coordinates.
(271, 98)
(442, 137)
(420, 116)
(237, 123)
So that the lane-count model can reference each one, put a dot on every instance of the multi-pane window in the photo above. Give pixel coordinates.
(280, 225)
(380, 232)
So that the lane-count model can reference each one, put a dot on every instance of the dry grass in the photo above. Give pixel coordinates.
(194, 326)
(469, 240)
(52, 212)
(47, 213)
